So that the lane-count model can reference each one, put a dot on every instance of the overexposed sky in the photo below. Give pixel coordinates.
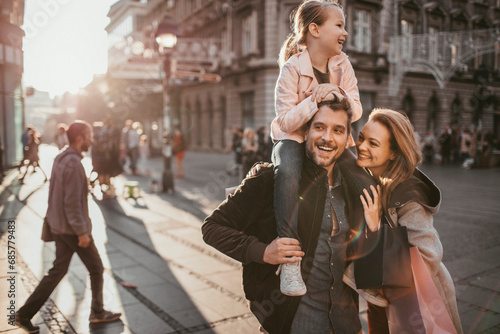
(65, 43)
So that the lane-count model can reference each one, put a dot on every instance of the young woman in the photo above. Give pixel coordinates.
(387, 149)
(313, 68)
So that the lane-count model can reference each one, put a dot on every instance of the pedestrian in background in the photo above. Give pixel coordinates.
(263, 153)
(68, 223)
(313, 68)
(179, 151)
(445, 140)
(249, 146)
(144, 155)
(133, 140)
(405, 197)
(24, 142)
(455, 145)
(429, 143)
(61, 138)
(106, 155)
(31, 154)
(236, 148)
(465, 144)
(124, 142)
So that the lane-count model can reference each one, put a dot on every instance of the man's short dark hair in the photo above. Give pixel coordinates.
(77, 128)
(337, 104)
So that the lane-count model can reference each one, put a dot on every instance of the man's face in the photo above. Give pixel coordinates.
(87, 140)
(326, 138)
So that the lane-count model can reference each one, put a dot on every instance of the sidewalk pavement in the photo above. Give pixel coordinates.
(183, 285)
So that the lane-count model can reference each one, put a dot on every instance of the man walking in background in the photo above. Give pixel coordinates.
(68, 224)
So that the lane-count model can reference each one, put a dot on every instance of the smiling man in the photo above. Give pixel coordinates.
(243, 227)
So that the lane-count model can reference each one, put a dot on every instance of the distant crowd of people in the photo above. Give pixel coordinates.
(459, 147)
(249, 146)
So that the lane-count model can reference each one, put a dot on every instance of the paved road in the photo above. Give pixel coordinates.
(185, 286)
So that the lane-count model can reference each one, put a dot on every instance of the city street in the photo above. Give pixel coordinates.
(175, 283)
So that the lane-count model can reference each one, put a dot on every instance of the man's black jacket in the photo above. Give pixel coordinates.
(244, 224)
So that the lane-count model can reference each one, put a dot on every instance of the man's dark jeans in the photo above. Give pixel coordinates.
(66, 246)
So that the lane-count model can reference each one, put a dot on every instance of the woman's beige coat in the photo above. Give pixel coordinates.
(413, 204)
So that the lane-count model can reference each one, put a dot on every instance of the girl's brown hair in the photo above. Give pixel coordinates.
(309, 11)
(405, 147)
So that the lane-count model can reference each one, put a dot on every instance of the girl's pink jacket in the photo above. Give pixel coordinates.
(294, 109)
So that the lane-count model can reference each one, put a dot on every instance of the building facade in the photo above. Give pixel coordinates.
(449, 84)
(11, 71)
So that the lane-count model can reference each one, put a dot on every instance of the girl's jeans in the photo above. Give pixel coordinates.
(287, 159)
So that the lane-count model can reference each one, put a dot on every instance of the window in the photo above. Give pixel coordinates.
(9, 54)
(226, 52)
(432, 112)
(362, 31)
(456, 111)
(247, 109)
(249, 34)
(368, 102)
(408, 104)
(433, 44)
(122, 30)
(407, 46)
(406, 28)
(479, 59)
(454, 54)
(433, 30)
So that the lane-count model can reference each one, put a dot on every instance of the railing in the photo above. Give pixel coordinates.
(441, 54)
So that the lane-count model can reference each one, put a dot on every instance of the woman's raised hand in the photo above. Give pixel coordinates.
(372, 207)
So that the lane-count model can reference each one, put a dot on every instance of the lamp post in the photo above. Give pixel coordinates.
(166, 37)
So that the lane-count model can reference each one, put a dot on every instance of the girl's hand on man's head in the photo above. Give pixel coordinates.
(323, 91)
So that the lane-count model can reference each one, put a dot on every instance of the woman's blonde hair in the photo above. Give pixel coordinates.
(405, 147)
(309, 11)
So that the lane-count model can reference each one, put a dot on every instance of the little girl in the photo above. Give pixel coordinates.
(313, 68)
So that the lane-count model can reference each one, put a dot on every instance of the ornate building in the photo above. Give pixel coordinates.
(11, 71)
(437, 60)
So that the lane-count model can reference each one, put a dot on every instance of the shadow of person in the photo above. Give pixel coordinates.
(115, 327)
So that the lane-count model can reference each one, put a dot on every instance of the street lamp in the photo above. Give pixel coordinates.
(166, 37)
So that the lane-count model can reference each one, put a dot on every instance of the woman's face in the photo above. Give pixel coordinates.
(374, 148)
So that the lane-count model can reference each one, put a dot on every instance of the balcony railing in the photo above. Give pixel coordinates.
(441, 54)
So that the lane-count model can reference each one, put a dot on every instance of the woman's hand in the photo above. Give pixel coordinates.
(324, 92)
(256, 168)
(372, 207)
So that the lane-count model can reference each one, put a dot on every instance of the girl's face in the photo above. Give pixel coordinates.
(332, 33)
(374, 148)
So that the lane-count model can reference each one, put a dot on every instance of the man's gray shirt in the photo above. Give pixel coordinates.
(68, 211)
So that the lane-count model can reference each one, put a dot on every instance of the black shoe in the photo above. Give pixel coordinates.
(26, 324)
(104, 316)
